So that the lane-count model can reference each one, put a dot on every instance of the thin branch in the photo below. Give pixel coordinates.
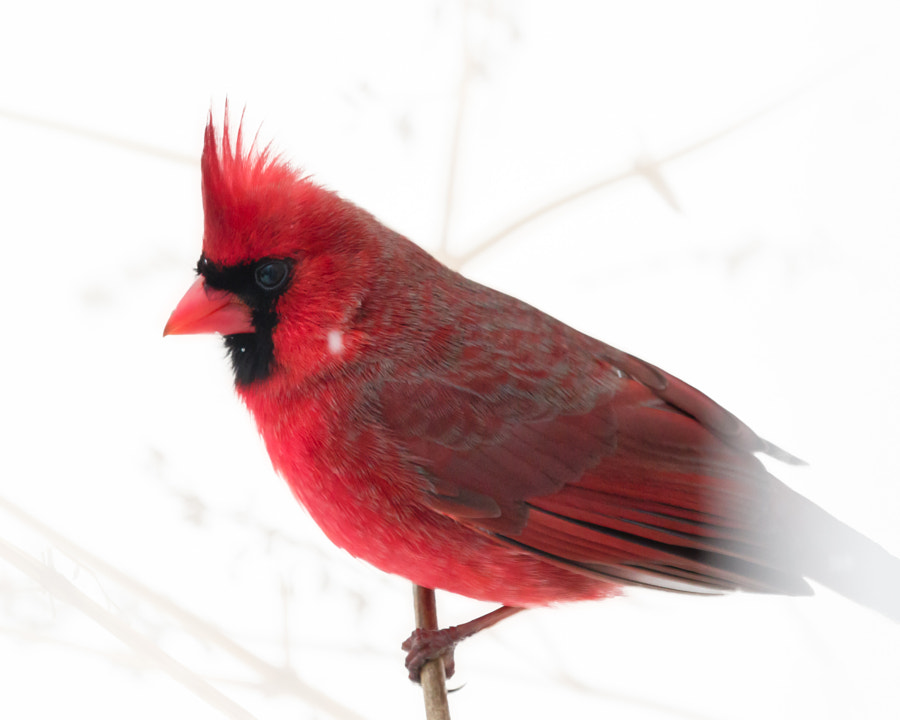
(432, 677)
(273, 677)
(455, 139)
(97, 136)
(646, 168)
(60, 588)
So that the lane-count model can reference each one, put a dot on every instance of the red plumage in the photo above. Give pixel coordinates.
(458, 437)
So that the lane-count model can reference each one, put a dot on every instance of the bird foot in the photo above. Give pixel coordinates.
(425, 645)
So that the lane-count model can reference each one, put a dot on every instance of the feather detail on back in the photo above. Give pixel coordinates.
(568, 448)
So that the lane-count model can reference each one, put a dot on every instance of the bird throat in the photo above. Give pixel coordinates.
(251, 355)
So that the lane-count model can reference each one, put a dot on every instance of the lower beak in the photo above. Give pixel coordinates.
(206, 310)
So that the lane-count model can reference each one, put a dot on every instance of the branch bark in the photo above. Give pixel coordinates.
(432, 678)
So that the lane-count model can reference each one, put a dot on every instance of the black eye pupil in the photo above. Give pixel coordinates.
(271, 275)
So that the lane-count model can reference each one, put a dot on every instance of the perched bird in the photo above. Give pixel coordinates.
(460, 438)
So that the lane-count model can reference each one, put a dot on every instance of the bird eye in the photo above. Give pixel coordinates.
(271, 275)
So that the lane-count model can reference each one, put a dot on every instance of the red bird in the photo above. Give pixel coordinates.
(456, 436)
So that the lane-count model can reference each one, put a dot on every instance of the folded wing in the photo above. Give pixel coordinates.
(596, 461)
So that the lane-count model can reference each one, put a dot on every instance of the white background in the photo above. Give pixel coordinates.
(151, 563)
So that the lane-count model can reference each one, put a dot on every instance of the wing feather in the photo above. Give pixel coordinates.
(586, 456)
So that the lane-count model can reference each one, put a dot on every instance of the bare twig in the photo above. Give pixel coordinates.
(272, 677)
(455, 139)
(646, 168)
(432, 677)
(62, 589)
(97, 136)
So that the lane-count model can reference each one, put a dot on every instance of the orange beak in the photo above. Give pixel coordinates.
(206, 310)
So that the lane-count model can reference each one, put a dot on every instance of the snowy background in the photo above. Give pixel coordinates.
(712, 186)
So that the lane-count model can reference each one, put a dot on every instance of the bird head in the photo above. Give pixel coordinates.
(284, 268)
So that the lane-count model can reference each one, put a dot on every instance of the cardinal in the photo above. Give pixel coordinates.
(460, 438)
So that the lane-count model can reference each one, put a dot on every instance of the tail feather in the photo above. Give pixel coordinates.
(827, 551)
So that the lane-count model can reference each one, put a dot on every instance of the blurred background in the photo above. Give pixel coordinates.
(711, 186)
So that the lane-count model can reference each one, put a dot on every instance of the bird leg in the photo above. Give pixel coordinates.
(424, 645)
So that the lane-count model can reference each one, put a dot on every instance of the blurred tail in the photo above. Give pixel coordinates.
(825, 550)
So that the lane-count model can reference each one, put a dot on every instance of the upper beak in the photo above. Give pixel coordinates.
(206, 310)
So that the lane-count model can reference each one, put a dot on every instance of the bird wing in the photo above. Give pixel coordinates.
(568, 448)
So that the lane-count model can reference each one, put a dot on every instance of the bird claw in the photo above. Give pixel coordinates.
(424, 645)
